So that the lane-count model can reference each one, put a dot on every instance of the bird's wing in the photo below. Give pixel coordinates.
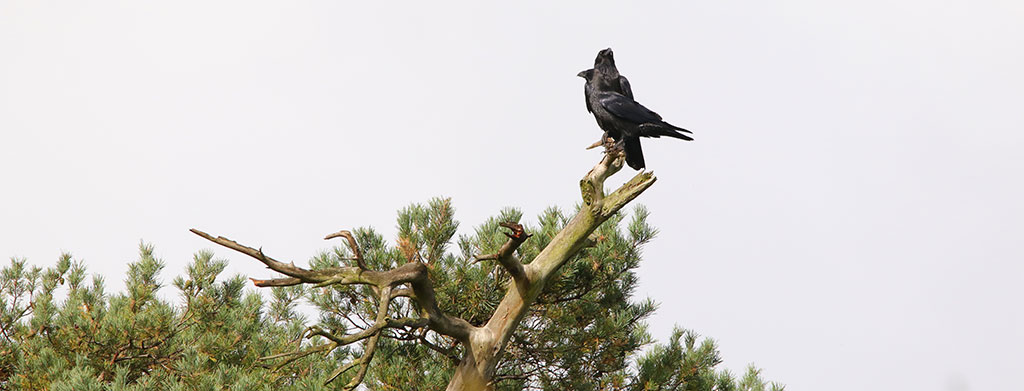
(586, 96)
(626, 90)
(626, 108)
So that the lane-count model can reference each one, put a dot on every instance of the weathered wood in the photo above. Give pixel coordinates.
(479, 363)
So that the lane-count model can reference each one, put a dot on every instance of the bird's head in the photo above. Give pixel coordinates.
(587, 74)
(605, 57)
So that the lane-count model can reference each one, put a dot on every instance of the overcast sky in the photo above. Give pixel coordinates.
(849, 217)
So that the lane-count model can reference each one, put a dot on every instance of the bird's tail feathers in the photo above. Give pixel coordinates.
(678, 128)
(634, 154)
(665, 129)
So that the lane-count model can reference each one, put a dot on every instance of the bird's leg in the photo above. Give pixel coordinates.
(610, 143)
(612, 146)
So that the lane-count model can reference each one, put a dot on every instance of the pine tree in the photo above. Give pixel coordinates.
(517, 307)
(412, 315)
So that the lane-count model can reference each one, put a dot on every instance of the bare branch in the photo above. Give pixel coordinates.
(603, 141)
(592, 185)
(420, 337)
(413, 323)
(334, 275)
(627, 192)
(358, 255)
(288, 269)
(290, 281)
(404, 292)
(299, 353)
(371, 344)
(342, 369)
(447, 352)
(413, 273)
(507, 254)
(375, 328)
(486, 257)
(423, 292)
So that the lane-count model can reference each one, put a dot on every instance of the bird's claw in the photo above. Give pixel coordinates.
(611, 146)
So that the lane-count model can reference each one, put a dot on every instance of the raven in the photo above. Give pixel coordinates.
(610, 98)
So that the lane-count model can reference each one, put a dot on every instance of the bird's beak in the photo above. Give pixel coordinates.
(582, 74)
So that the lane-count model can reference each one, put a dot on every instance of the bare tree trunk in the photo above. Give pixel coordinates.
(486, 344)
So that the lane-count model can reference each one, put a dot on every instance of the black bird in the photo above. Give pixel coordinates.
(610, 98)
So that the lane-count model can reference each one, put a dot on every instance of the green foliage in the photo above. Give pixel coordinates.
(585, 327)
(683, 364)
(59, 331)
(136, 341)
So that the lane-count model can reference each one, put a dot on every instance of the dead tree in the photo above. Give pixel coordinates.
(484, 344)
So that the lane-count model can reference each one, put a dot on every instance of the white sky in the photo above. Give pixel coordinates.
(850, 216)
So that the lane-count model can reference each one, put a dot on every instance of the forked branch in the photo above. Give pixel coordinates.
(477, 369)
(363, 361)
(351, 245)
(592, 184)
(506, 255)
(388, 284)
